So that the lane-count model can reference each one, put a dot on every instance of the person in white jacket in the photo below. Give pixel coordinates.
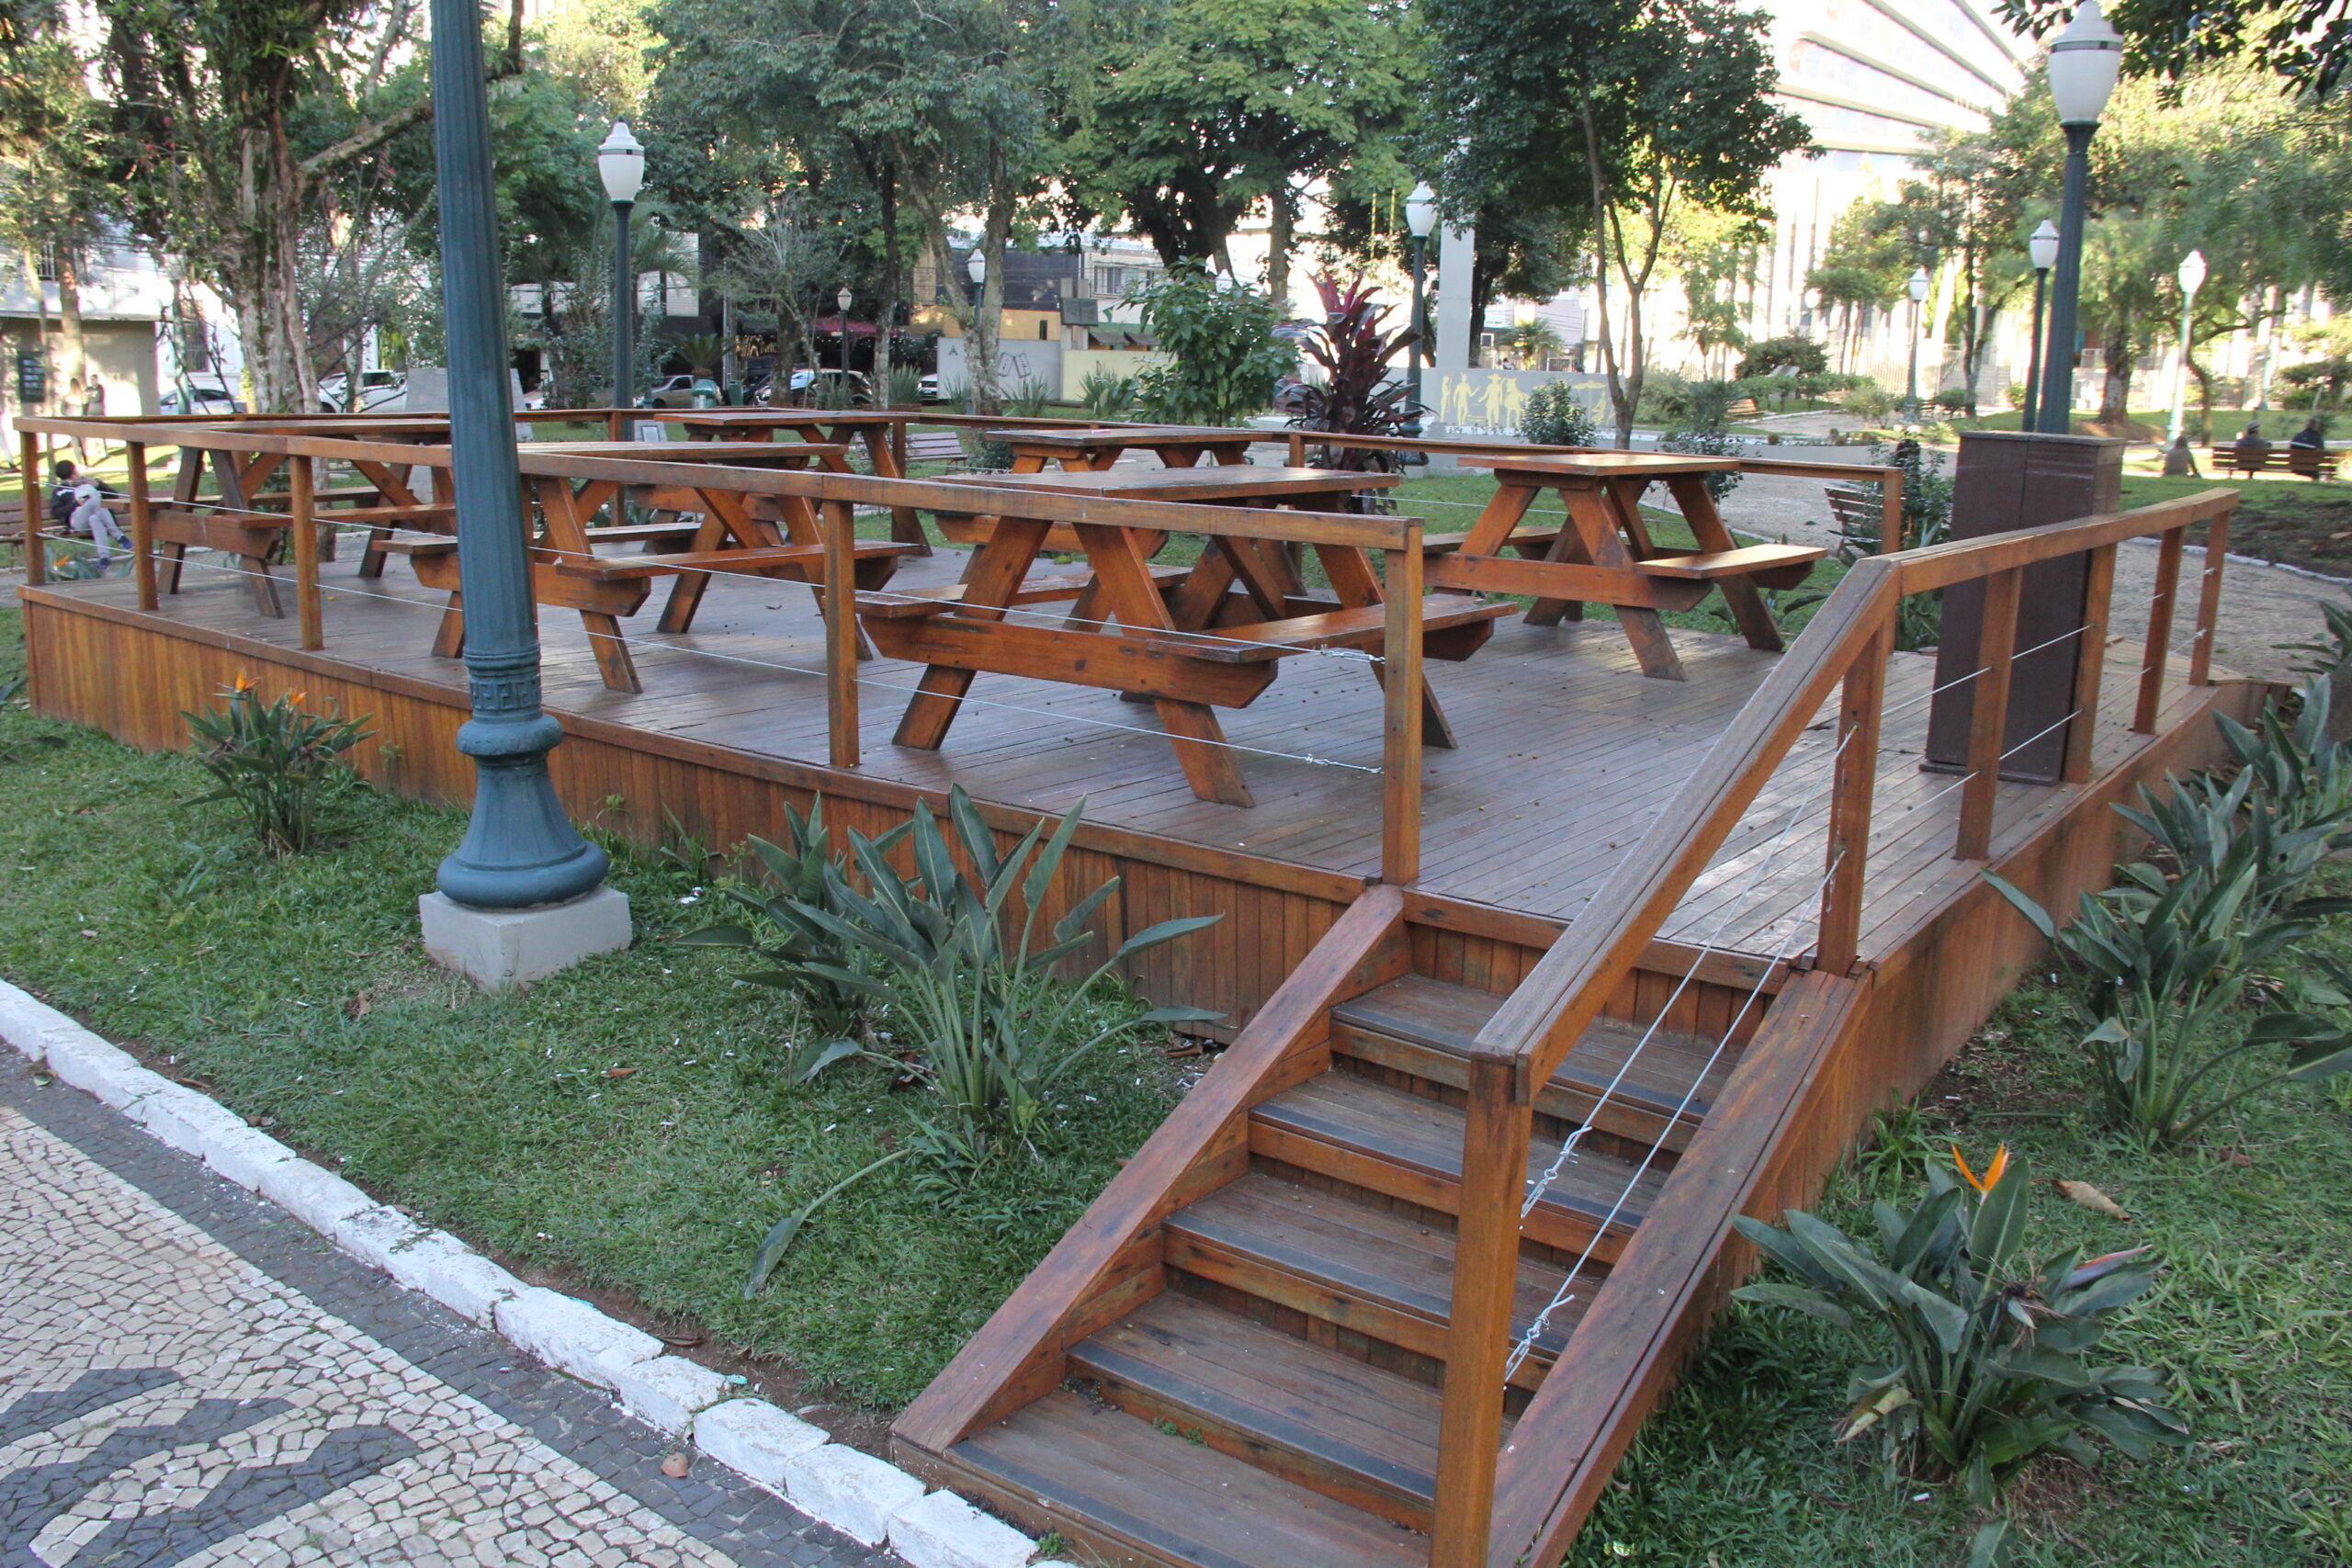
(91, 517)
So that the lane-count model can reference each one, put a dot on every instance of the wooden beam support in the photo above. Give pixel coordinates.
(840, 526)
(1849, 804)
(28, 445)
(1400, 757)
(142, 527)
(2090, 666)
(301, 513)
(1988, 713)
(1485, 1277)
(2209, 600)
(2159, 644)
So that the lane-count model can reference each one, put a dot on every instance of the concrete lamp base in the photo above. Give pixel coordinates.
(499, 948)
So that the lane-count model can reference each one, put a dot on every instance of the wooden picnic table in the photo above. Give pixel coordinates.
(239, 520)
(1099, 446)
(1186, 639)
(1604, 554)
(1308, 490)
(875, 428)
(735, 535)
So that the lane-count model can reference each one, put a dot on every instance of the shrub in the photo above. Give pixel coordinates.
(1107, 395)
(1228, 359)
(2172, 954)
(1553, 417)
(1869, 400)
(1357, 396)
(799, 955)
(952, 955)
(1952, 399)
(1975, 1360)
(905, 386)
(2015, 394)
(1032, 399)
(1794, 352)
(274, 759)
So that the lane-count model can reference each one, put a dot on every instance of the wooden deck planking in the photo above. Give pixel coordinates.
(1568, 751)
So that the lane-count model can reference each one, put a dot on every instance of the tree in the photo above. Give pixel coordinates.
(2308, 42)
(228, 120)
(1655, 107)
(1220, 336)
(1184, 113)
(58, 201)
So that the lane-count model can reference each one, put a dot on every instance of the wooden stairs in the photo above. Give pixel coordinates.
(1237, 1359)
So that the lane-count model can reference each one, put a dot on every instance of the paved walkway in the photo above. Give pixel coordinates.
(188, 1376)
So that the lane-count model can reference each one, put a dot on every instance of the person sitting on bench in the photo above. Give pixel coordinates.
(2303, 450)
(2179, 461)
(2253, 449)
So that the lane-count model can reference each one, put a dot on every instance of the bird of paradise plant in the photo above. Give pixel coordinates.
(1974, 1361)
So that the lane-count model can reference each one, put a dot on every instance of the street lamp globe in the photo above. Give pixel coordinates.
(1918, 286)
(977, 267)
(843, 299)
(2043, 246)
(2192, 271)
(621, 162)
(2085, 59)
(1421, 211)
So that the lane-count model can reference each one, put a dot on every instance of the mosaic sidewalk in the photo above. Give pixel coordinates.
(189, 1377)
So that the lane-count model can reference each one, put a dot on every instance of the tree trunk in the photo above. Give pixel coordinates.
(1618, 403)
(1282, 220)
(2115, 393)
(987, 321)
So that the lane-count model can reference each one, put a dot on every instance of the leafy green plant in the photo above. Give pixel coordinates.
(1976, 1359)
(1794, 351)
(274, 759)
(905, 386)
(951, 954)
(2170, 959)
(1228, 359)
(1107, 395)
(1357, 396)
(1032, 399)
(1553, 417)
(799, 955)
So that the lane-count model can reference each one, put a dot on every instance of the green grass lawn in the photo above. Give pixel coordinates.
(625, 1128)
(2305, 523)
(625, 1124)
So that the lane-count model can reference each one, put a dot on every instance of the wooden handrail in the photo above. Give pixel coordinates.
(1847, 644)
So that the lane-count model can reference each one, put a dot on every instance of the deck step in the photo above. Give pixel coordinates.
(1425, 1027)
(1409, 1147)
(1360, 1269)
(1308, 1414)
(1121, 1488)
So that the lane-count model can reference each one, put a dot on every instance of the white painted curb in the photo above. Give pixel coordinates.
(851, 1491)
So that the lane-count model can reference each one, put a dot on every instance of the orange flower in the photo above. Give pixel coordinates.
(244, 682)
(1993, 1172)
(298, 697)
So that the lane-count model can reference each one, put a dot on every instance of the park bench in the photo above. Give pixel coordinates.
(1859, 511)
(2315, 462)
(934, 446)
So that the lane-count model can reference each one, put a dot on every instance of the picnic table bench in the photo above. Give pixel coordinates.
(1605, 554)
(1186, 640)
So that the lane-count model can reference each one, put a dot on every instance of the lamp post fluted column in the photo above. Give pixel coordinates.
(1420, 217)
(2041, 249)
(519, 850)
(620, 164)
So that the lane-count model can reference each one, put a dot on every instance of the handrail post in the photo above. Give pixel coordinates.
(1997, 646)
(1400, 761)
(839, 527)
(2090, 666)
(2209, 599)
(301, 515)
(1298, 450)
(2151, 658)
(142, 527)
(1859, 704)
(36, 562)
(1485, 1274)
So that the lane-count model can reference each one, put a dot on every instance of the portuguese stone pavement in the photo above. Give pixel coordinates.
(189, 1377)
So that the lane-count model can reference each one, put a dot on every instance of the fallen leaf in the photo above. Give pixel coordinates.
(2233, 1158)
(618, 1072)
(358, 1007)
(674, 1464)
(2091, 1198)
(88, 932)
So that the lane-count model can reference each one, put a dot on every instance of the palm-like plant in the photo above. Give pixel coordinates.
(1354, 350)
(1991, 1357)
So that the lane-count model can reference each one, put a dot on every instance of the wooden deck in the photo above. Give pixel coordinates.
(1568, 751)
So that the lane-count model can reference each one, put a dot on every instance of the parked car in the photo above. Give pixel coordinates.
(201, 398)
(931, 388)
(669, 393)
(376, 388)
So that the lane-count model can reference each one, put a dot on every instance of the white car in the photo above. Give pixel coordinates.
(199, 398)
(376, 388)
